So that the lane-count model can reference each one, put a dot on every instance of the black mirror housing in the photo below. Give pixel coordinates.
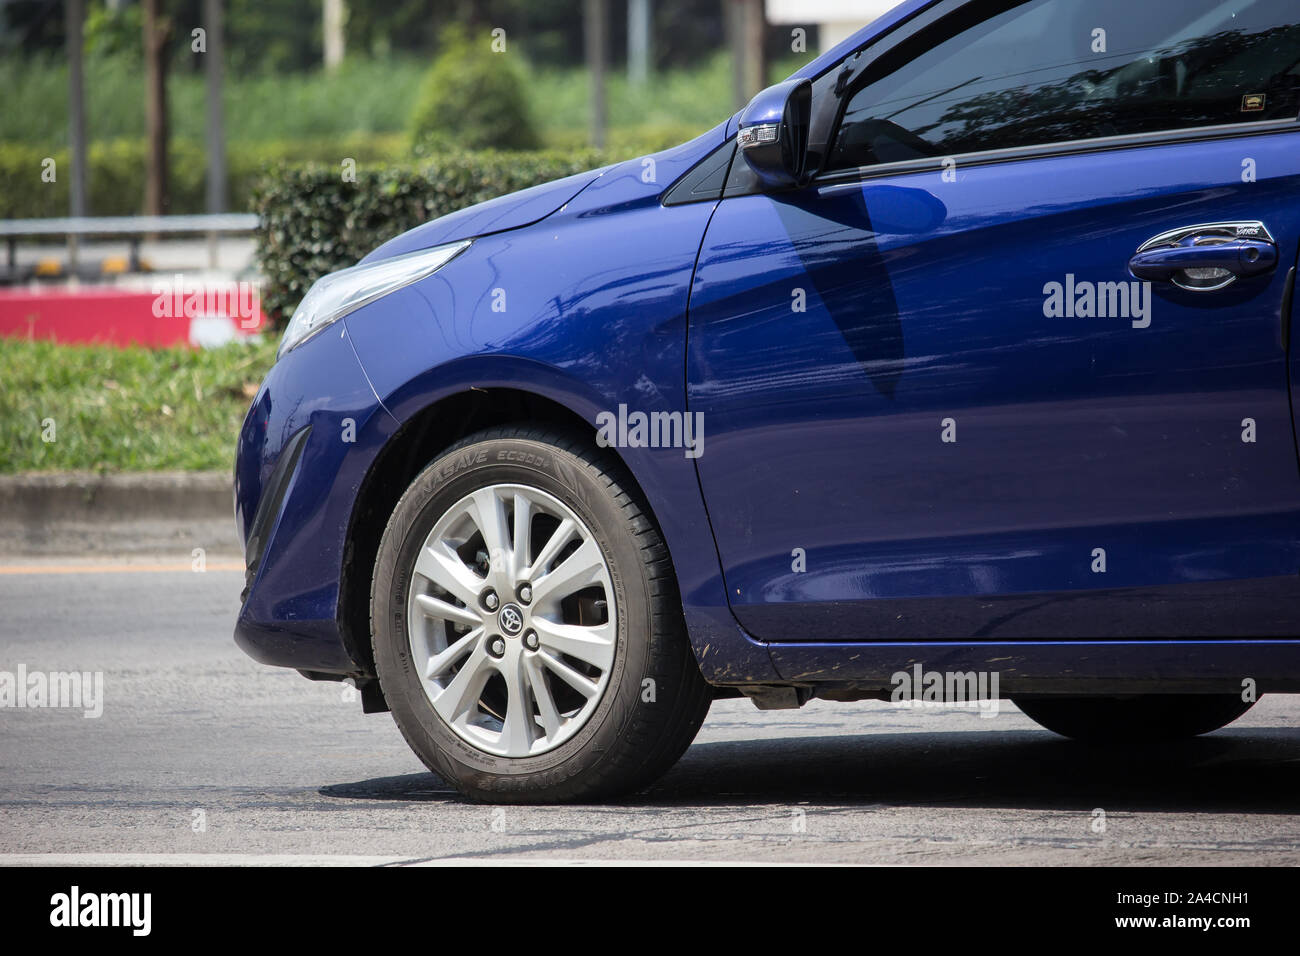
(773, 134)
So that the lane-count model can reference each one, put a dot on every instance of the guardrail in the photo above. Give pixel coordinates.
(133, 228)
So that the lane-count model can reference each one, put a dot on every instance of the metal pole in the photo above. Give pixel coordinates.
(76, 13)
(638, 41)
(754, 32)
(333, 16)
(594, 16)
(735, 16)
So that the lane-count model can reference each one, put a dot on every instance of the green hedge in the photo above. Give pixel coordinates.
(116, 172)
(313, 223)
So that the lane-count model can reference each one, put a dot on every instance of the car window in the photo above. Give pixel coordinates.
(1004, 74)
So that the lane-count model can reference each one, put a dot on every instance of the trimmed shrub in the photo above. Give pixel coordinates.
(314, 223)
(472, 98)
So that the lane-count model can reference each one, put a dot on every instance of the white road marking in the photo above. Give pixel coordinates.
(330, 859)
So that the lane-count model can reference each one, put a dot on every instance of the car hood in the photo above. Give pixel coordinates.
(496, 215)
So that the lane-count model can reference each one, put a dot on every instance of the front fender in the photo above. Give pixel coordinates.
(587, 309)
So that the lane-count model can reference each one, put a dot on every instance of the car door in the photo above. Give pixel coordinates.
(1014, 365)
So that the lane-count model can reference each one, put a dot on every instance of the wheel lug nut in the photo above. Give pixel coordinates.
(525, 593)
(490, 599)
(531, 640)
(497, 647)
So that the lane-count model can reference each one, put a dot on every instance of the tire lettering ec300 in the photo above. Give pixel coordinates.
(523, 457)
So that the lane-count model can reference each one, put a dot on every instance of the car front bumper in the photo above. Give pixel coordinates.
(306, 445)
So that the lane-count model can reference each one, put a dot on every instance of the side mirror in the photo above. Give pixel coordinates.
(773, 135)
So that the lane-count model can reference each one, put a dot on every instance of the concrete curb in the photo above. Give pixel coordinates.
(80, 513)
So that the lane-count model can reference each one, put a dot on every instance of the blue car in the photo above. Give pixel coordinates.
(958, 367)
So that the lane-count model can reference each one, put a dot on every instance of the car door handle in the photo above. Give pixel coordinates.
(1244, 258)
(1207, 258)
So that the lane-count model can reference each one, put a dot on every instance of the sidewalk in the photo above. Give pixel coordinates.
(160, 514)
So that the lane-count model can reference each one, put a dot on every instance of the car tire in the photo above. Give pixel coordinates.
(1138, 719)
(501, 743)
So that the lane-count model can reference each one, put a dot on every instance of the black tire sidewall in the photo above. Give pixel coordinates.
(1140, 718)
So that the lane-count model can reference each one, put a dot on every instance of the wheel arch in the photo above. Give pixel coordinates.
(419, 440)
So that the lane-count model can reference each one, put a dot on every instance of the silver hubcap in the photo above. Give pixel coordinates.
(512, 620)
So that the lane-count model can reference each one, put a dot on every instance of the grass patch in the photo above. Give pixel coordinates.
(364, 97)
(125, 409)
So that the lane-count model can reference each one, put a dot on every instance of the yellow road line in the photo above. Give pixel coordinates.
(116, 568)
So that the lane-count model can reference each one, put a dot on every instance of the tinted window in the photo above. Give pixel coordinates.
(999, 75)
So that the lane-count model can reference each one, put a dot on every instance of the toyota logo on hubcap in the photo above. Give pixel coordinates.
(511, 619)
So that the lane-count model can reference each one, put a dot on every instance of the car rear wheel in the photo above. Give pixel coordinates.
(526, 626)
(1148, 717)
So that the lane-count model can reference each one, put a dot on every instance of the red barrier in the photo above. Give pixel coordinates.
(168, 316)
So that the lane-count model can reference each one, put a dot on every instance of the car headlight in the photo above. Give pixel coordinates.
(339, 293)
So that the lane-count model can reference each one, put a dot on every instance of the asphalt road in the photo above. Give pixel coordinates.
(278, 769)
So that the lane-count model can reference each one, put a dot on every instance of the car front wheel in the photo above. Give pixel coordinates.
(1146, 717)
(526, 626)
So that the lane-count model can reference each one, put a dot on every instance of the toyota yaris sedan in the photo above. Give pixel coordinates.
(956, 368)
